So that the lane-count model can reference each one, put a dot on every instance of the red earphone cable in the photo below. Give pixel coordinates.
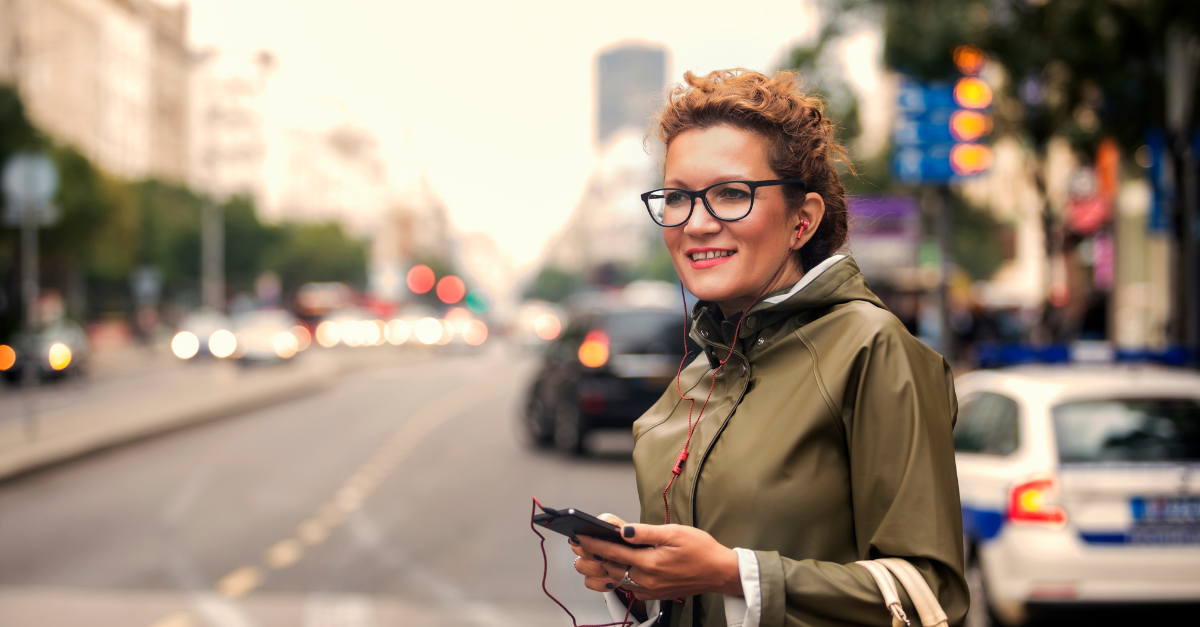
(683, 454)
(625, 622)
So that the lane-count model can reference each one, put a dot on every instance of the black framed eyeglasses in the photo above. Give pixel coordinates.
(728, 201)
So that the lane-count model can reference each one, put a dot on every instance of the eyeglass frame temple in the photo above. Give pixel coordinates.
(703, 196)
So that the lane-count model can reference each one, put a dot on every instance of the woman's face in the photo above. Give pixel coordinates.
(751, 249)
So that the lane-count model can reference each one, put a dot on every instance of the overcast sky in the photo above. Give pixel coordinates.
(493, 101)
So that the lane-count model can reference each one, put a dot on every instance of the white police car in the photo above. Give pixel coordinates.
(1080, 486)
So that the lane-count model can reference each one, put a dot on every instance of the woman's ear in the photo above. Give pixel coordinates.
(811, 211)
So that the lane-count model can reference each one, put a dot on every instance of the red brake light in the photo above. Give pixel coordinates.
(593, 353)
(1031, 502)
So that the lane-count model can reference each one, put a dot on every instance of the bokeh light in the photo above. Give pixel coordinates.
(397, 332)
(593, 353)
(222, 343)
(428, 331)
(969, 59)
(285, 345)
(369, 333)
(185, 345)
(477, 301)
(303, 337)
(447, 332)
(329, 334)
(8, 357)
(967, 126)
(420, 279)
(972, 93)
(968, 159)
(351, 334)
(547, 326)
(475, 333)
(451, 289)
(60, 356)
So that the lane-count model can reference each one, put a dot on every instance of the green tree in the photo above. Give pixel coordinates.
(316, 252)
(554, 285)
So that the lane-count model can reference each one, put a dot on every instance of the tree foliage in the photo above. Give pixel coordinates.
(1083, 69)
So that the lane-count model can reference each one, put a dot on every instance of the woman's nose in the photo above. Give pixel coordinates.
(701, 222)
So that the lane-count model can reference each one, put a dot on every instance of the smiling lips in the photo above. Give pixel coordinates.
(709, 257)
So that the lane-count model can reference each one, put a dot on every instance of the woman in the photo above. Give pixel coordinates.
(825, 437)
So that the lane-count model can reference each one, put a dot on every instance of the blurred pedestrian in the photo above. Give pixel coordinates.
(813, 430)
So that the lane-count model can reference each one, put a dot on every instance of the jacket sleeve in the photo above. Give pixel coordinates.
(898, 411)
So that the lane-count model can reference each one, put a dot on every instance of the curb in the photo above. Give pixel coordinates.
(125, 422)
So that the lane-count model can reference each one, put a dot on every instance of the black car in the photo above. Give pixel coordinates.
(605, 371)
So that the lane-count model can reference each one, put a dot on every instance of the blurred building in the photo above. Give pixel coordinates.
(609, 224)
(332, 173)
(109, 77)
(227, 123)
(629, 83)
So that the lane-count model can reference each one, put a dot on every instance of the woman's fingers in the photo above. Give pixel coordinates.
(590, 568)
(599, 584)
(612, 518)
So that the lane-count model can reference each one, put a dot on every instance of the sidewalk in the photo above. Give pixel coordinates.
(55, 423)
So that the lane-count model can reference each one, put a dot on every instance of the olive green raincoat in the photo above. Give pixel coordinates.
(827, 441)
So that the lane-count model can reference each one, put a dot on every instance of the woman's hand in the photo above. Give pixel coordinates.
(595, 576)
(681, 561)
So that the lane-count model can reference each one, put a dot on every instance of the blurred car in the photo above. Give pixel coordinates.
(605, 370)
(59, 350)
(194, 337)
(350, 326)
(1080, 487)
(265, 335)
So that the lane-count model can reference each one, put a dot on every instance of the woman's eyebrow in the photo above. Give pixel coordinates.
(715, 181)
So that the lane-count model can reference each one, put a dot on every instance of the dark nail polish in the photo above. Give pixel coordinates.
(573, 540)
(597, 558)
(627, 532)
(609, 586)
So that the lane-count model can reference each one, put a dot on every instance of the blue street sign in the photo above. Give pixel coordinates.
(913, 164)
(923, 137)
(918, 98)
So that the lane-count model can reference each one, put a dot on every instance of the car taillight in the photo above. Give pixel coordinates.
(593, 353)
(1034, 502)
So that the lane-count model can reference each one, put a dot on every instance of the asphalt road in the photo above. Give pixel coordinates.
(401, 496)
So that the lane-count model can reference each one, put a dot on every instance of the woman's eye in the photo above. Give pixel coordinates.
(676, 198)
(732, 193)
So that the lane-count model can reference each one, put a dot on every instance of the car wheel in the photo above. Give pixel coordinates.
(538, 424)
(980, 614)
(569, 431)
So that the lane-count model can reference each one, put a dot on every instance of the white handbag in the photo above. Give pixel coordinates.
(927, 605)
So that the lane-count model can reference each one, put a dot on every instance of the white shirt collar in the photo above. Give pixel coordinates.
(808, 277)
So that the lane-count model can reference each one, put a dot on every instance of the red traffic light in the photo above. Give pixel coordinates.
(972, 93)
(420, 279)
(968, 159)
(451, 289)
(969, 59)
(967, 125)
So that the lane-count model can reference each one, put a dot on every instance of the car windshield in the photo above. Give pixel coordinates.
(645, 332)
(1128, 430)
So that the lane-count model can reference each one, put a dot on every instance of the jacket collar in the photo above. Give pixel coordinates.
(833, 281)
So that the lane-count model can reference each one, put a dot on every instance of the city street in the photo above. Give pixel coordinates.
(399, 496)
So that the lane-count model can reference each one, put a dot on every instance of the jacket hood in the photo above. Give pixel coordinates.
(835, 281)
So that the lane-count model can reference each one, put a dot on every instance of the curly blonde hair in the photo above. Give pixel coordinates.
(802, 144)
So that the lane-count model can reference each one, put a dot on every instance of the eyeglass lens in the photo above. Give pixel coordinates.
(729, 201)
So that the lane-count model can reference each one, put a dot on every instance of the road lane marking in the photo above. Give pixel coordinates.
(312, 532)
(360, 485)
(176, 619)
(284, 553)
(240, 582)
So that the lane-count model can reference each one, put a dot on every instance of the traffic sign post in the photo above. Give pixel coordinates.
(30, 181)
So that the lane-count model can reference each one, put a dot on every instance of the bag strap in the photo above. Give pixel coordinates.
(887, 585)
(923, 599)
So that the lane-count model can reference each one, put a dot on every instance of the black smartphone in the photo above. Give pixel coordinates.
(572, 522)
